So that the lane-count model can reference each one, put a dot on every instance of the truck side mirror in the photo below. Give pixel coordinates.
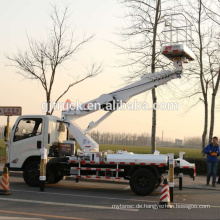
(5, 132)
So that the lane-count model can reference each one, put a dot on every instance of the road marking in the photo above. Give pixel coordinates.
(88, 206)
(74, 195)
(102, 197)
(65, 204)
(42, 215)
(18, 218)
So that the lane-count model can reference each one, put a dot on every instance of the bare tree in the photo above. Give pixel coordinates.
(121, 138)
(212, 10)
(142, 40)
(129, 139)
(192, 142)
(203, 81)
(214, 86)
(153, 64)
(146, 18)
(203, 74)
(198, 17)
(42, 59)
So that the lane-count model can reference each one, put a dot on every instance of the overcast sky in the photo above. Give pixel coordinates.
(102, 18)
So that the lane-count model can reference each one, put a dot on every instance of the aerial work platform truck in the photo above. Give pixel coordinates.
(41, 147)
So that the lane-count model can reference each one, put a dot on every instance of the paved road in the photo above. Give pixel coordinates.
(90, 200)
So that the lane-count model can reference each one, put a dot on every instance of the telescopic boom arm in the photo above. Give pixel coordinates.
(111, 101)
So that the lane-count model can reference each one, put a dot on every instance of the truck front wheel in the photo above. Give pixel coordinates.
(143, 181)
(31, 174)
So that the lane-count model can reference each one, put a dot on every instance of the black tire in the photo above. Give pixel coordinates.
(31, 174)
(143, 181)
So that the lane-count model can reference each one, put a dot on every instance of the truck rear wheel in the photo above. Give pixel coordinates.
(31, 174)
(143, 181)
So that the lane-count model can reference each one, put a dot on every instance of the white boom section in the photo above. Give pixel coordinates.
(122, 95)
(147, 82)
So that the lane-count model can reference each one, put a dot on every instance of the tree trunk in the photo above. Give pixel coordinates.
(154, 97)
(204, 90)
(212, 117)
(154, 121)
(205, 125)
(48, 104)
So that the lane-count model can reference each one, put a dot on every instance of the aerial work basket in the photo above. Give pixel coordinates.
(175, 51)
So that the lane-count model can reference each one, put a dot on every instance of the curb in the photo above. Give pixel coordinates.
(201, 188)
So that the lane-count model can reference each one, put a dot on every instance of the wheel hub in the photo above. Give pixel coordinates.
(143, 181)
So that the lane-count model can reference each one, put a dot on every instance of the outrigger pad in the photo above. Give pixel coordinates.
(180, 50)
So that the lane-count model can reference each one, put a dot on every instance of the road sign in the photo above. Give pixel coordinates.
(10, 111)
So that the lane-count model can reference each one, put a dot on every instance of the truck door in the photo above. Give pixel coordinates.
(26, 140)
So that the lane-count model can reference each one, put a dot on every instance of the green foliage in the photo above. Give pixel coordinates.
(201, 165)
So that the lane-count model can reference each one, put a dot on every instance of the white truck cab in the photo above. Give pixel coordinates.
(30, 133)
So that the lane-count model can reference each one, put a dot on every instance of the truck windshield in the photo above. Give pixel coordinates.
(28, 127)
